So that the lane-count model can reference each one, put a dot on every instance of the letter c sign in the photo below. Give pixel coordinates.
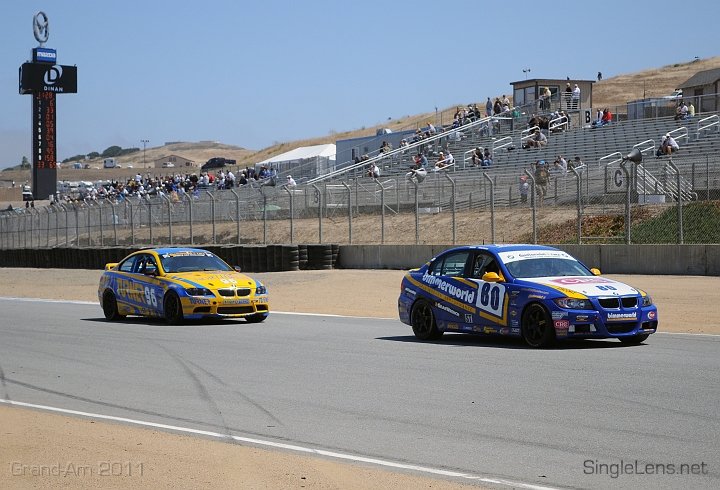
(618, 178)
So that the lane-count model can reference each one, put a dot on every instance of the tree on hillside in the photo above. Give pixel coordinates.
(74, 158)
(112, 151)
(93, 154)
(25, 163)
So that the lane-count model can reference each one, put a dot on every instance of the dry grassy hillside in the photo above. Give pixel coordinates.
(654, 82)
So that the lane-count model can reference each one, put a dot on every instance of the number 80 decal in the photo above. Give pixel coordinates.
(491, 298)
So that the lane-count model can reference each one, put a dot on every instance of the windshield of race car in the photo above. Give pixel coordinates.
(530, 264)
(192, 262)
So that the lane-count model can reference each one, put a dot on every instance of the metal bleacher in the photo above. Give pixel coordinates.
(592, 145)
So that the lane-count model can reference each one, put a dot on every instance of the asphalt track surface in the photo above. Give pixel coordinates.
(365, 387)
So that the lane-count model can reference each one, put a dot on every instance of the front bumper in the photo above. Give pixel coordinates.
(204, 307)
(604, 324)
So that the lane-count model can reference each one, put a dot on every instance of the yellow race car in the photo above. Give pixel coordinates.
(180, 284)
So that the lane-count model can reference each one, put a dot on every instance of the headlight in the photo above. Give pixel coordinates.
(573, 303)
(198, 292)
(261, 290)
(647, 300)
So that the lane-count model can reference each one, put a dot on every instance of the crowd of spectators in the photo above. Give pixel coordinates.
(173, 186)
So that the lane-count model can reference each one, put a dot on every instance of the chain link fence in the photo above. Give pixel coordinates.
(659, 201)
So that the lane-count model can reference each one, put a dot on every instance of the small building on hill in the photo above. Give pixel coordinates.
(528, 92)
(303, 162)
(176, 160)
(701, 89)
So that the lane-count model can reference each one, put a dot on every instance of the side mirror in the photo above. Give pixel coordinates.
(110, 266)
(237, 268)
(595, 271)
(491, 277)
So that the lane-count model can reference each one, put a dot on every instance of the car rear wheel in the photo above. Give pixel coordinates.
(172, 308)
(423, 322)
(255, 318)
(110, 308)
(537, 329)
(635, 339)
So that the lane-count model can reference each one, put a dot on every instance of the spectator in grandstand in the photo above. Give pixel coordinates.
(606, 118)
(373, 172)
(545, 99)
(576, 97)
(430, 129)
(488, 107)
(421, 161)
(598, 119)
(568, 95)
(669, 145)
(577, 164)
(386, 147)
(290, 182)
(242, 180)
(542, 180)
(477, 157)
(497, 107)
(538, 140)
(449, 158)
(441, 161)
(561, 165)
(534, 121)
(524, 188)
(505, 101)
(691, 110)
(487, 158)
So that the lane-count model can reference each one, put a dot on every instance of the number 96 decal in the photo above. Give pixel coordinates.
(150, 297)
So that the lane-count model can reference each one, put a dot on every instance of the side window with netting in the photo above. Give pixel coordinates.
(454, 264)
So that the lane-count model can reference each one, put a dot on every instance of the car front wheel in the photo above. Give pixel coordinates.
(537, 329)
(423, 322)
(110, 308)
(173, 308)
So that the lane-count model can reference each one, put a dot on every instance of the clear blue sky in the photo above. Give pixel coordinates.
(254, 73)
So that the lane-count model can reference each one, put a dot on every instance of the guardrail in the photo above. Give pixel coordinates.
(706, 123)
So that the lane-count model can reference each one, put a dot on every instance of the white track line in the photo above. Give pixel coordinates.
(296, 313)
(289, 447)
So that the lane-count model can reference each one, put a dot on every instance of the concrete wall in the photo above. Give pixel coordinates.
(11, 194)
(699, 260)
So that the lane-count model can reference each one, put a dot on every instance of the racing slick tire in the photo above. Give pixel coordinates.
(255, 318)
(423, 322)
(635, 339)
(537, 328)
(110, 308)
(172, 308)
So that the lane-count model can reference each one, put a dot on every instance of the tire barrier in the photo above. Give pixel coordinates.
(250, 258)
(290, 258)
(302, 257)
(246, 264)
(270, 258)
(262, 259)
(319, 256)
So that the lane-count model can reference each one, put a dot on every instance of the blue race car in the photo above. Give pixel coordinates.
(537, 292)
